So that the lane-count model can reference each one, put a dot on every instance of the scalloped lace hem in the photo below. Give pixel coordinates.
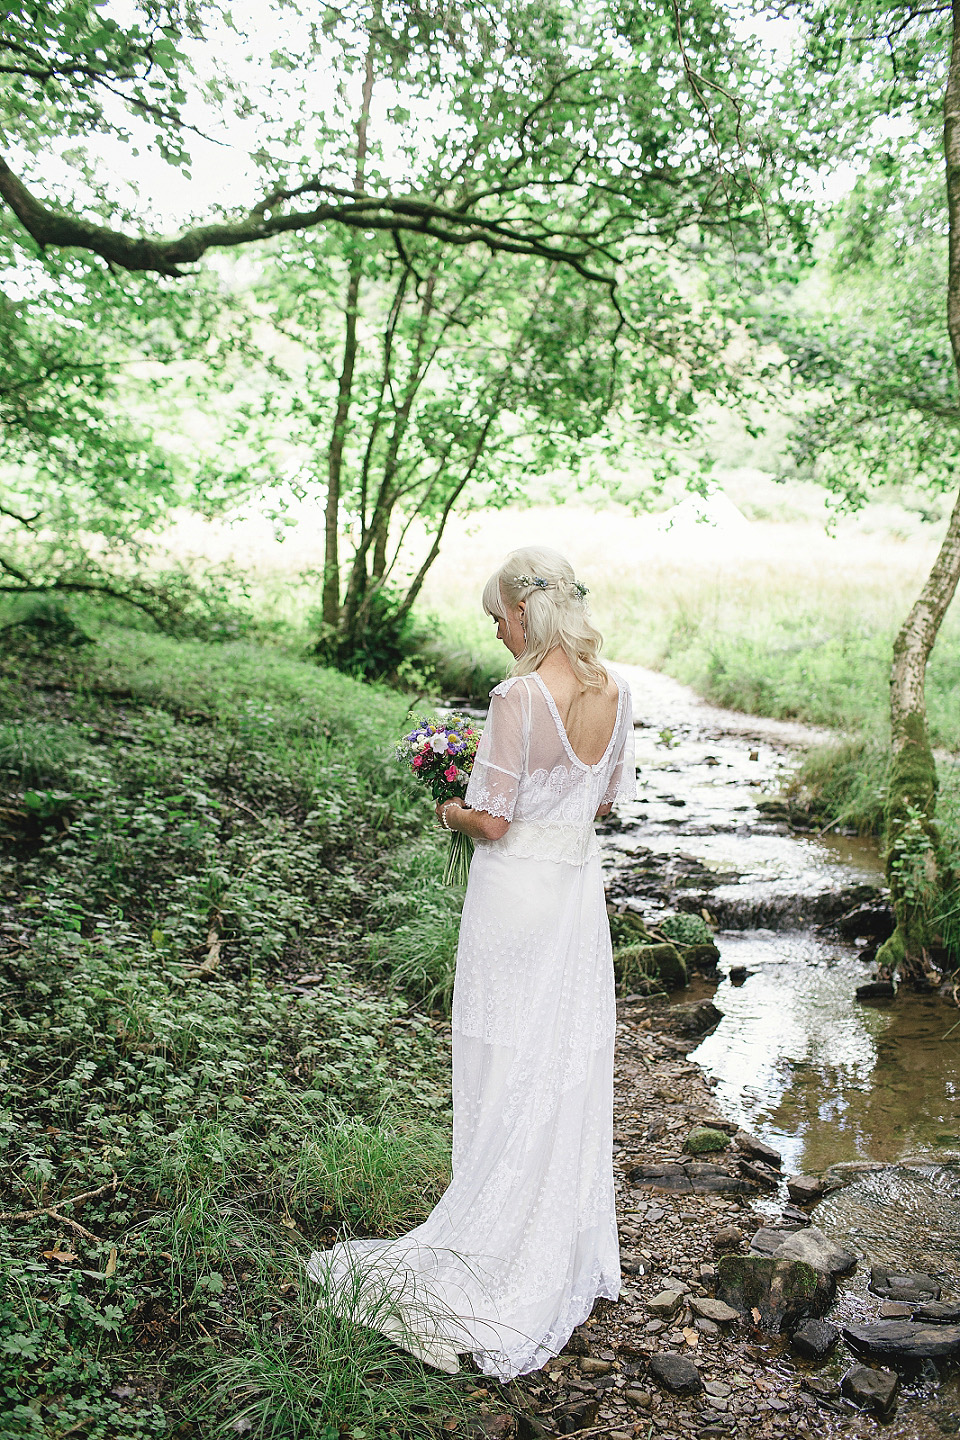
(505, 1364)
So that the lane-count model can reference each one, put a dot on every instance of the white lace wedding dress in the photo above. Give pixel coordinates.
(524, 1239)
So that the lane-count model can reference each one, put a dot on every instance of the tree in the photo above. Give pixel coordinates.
(888, 367)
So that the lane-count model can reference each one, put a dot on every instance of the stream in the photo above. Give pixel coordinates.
(796, 1059)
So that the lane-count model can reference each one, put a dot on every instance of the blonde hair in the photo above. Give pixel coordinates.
(556, 612)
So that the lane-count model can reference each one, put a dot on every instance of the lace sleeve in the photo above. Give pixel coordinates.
(499, 763)
(622, 784)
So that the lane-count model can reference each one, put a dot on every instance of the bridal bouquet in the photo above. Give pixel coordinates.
(440, 752)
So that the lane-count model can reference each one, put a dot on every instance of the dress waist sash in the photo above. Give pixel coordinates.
(568, 844)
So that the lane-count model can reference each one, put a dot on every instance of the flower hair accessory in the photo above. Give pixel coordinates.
(537, 582)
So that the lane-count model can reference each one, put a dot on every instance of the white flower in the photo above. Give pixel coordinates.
(438, 743)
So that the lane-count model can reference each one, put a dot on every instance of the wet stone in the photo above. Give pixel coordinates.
(706, 1327)
(761, 1174)
(910, 1286)
(676, 1373)
(871, 1389)
(757, 1150)
(939, 1312)
(814, 1339)
(805, 1189)
(895, 1310)
(904, 1339)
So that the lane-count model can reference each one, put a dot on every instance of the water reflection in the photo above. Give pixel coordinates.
(823, 1078)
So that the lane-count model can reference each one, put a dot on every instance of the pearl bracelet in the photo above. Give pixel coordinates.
(443, 815)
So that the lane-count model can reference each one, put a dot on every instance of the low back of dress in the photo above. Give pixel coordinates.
(527, 772)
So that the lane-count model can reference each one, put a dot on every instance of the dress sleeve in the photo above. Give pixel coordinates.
(495, 779)
(622, 784)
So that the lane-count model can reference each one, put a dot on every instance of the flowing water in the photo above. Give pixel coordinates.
(796, 1059)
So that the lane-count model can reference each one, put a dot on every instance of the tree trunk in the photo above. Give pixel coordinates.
(331, 557)
(912, 846)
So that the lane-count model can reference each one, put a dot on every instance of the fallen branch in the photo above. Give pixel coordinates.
(14, 1217)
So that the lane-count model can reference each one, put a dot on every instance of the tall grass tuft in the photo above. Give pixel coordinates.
(308, 1359)
(35, 753)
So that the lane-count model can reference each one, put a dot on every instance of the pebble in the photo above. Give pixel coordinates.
(731, 1237)
(716, 1310)
(666, 1304)
(676, 1373)
(589, 1366)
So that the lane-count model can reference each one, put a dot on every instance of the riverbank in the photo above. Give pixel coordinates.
(209, 1064)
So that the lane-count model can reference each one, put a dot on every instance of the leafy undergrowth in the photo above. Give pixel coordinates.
(210, 1062)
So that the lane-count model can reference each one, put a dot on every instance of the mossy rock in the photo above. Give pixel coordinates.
(783, 1292)
(704, 958)
(628, 929)
(635, 966)
(703, 1139)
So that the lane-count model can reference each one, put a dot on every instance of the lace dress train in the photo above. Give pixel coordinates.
(524, 1239)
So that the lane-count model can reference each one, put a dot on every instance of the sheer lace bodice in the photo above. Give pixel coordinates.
(527, 772)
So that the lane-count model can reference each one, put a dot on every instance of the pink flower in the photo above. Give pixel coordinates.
(417, 761)
(450, 773)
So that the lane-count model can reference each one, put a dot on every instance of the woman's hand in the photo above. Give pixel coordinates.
(604, 810)
(454, 803)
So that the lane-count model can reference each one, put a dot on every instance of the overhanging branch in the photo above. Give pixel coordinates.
(51, 227)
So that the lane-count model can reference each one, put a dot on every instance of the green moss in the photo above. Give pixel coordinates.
(702, 1140)
(640, 967)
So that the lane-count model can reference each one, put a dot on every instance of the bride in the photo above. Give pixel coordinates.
(524, 1239)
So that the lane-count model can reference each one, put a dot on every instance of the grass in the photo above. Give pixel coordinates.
(207, 1028)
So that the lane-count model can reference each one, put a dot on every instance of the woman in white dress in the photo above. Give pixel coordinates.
(524, 1239)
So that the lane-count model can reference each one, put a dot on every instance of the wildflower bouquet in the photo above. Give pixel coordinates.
(440, 753)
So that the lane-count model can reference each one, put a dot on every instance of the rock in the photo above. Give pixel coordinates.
(660, 1177)
(738, 974)
(820, 1386)
(703, 957)
(758, 1172)
(676, 1373)
(874, 920)
(640, 1398)
(782, 1292)
(715, 1310)
(590, 1366)
(904, 1339)
(718, 1389)
(814, 1339)
(696, 1017)
(943, 1312)
(813, 1246)
(757, 1150)
(871, 1389)
(909, 1286)
(804, 1189)
(581, 1415)
(876, 990)
(729, 1238)
(770, 1237)
(707, 1327)
(635, 963)
(894, 1310)
(702, 1140)
(665, 1305)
